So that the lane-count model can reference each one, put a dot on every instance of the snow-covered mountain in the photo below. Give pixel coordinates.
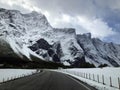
(31, 33)
(17, 30)
(28, 30)
(60, 45)
(99, 52)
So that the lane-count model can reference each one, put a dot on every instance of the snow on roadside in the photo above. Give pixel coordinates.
(6, 74)
(114, 73)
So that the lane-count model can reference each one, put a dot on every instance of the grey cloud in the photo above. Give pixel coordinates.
(14, 6)
(83, 7)
(106, 10)
(67, 6)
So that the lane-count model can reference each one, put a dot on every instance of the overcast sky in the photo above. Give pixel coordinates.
(99, 17)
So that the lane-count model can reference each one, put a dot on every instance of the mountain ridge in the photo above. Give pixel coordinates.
(32, 34)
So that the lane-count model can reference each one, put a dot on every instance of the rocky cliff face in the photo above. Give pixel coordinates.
(24, 31)
(99, 52)
(61, 46)
(32, 34)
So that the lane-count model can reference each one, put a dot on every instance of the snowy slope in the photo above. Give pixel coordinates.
(67, 38)
(24, 30)
(18, 29)
(23, 27)
(31, 33)
(99, 52)
(59, 42)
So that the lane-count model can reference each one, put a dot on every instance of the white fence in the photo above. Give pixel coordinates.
(103, 79)
(15, 77)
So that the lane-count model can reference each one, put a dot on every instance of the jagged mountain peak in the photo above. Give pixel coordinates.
(22, 26)
(98, 52)
(15, 15)
(32, 33)
(33, 30)
(6, 10)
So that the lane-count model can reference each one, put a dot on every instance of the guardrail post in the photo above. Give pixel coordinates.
(103, 79)
(81, 74)
(74, 73)
(77, 73)
(11, 78)
(110, 82)
(89, 76)
(98, 78)
(86, 75)
(3, 80)
(119, 82)
(8, 79)
(93, 77)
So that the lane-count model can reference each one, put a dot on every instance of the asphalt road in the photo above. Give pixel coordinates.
(46, 80)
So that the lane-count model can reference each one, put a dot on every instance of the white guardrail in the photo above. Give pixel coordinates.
(4, 80)
(95, 77)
